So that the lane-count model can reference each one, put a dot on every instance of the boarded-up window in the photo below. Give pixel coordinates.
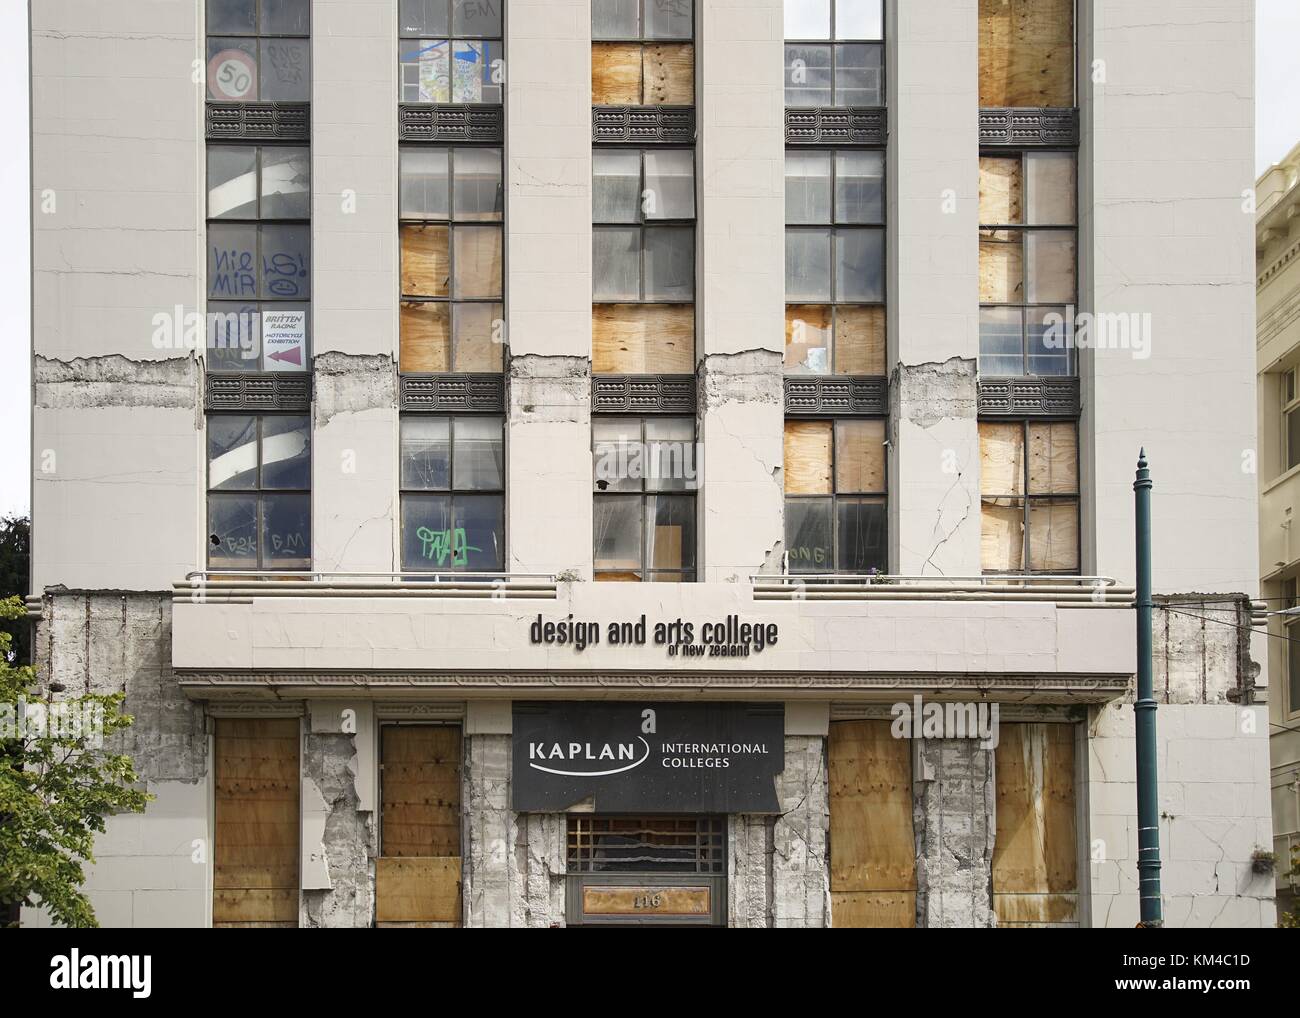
(872, 847)
(1026, 52)
(1035, 856)
(417, 877)
(844, 340)
(1029, 487)
(642, 74)
(255, 847)
(643, 339)
(835, 483)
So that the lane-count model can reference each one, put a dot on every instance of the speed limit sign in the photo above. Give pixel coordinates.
(232, 74)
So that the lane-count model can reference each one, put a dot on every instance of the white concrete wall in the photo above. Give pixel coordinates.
(548, 285)
(1214, 807)
(1165, 162)
(354, 283)
(933, 233)
(116, 202)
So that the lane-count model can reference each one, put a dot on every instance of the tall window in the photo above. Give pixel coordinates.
(1029, 494)
(1026, 53)
(259, 491)
(1291, 630)
(1028, 258)
(835, 261)
(834, 53)
(450, 51)
(835, 518)
(641, 53)
(645, 477)
(259, 250)
(259, 50)
(1291, 418)
(453, 494)
(452, 316)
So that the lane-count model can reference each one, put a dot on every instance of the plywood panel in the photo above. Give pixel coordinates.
(1026, 52)
(1054, 535)
(1002, 267)
(1053, 459)
(426, 261)
(643, 339)
(421, 790)
(1035, 856)
(807, 339)
(860, 457)
(859, 341)
(1002, 190)
(615, 74)
(426, 341)
(1002, 535)
(872, 845)
(894, 910)
(417, 890)
(1002, 458)
(668, 75)
(255, 848)
(808, 457)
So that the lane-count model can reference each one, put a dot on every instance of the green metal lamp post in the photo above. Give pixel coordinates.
(1148, 797)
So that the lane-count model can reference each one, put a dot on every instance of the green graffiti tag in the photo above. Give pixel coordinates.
(439, 544)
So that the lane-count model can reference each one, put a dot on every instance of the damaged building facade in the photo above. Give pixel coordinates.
(573, 463)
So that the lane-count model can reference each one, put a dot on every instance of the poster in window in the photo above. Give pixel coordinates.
(232, 74)
(284, 340)
(467, 73)
(434, 75)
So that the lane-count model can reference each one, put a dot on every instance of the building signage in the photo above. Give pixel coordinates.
(638, 757)
(728, 636)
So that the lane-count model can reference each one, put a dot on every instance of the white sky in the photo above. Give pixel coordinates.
(1277, 119)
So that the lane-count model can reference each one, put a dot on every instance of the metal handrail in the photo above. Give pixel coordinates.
(984, 580)
(406, 576)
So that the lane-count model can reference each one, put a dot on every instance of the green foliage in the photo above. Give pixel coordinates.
(15, 580)
(1291, 920)
(57, 784)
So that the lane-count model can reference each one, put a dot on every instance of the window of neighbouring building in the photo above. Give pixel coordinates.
(453, 493)
(259, 491)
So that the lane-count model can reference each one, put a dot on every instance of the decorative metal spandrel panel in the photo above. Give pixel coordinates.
(254, 120)
(643, 125)
(484, 394)
(643, 394)
(836, 396)
(1029, 397)
(258, 391)
(1026, 127)
(422, 122)
(837, 125)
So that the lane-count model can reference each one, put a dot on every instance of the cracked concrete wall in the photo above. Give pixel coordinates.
(548, 268)
(354, 466)
(740, 289)
(151, 868)
(933, 176)
(338, 836)
(1165, 232)
(953, 803)
(778, 868)
(514, 865)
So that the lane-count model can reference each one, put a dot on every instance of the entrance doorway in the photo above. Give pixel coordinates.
(647, 871)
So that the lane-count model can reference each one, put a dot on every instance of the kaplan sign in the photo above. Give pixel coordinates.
(636, 757)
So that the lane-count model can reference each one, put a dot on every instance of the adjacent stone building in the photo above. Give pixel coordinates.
(585, 462)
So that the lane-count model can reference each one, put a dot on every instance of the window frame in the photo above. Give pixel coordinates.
(1027, 498)
(1290, 380)
(1026, 308)
(835, 496)
(257, 34)
(1291, 632)
(451, 491)
(642, 38)
(259, 493)
(260, 302)
(642, 225)
(643, 496)
(451, 39)
(878, 44)
(451, 301)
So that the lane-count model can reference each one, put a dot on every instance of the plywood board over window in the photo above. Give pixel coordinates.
(859, 340)
(426, 337)
(426, 261)
(1035, 856)
(632, 74)
(872, 846)
(668, 75)
(417, 877)
(255, 846)
(643, 339)
(1026, 52)
(1002, 190)
(808, 457)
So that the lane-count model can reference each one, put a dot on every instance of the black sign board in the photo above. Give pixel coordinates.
(648, 757)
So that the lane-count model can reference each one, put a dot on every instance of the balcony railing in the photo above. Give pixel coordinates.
(1074, 591)
(227, 586)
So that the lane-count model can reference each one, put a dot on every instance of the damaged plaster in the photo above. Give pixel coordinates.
(352, 383)
(549, 390)
(925, 394)
(116, 381)
(338, 839)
